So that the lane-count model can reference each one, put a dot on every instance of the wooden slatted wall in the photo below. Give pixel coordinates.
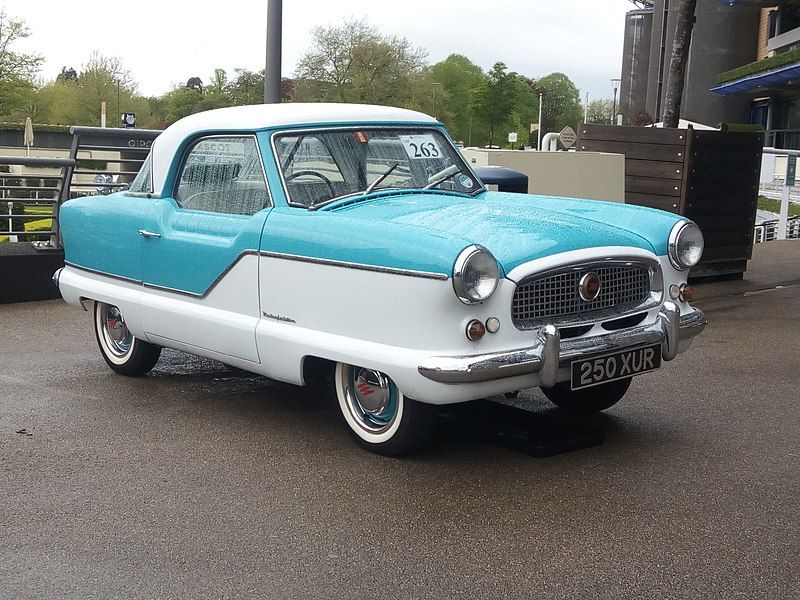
(710, 177)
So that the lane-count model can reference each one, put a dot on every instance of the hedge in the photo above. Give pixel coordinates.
(39, 128)
(767, 64)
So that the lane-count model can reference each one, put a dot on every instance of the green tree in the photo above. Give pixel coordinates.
(525, 110)
(456, 77)
(356, 63)
(600, 111)
(180, 102)
(246, 88)
(562, 102)
(494, 98)
(17, 69)
(77, 101)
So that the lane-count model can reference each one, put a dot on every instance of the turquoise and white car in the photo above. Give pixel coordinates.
(294, 239)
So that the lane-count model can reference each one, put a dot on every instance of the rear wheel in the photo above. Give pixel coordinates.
(593, 399)
(124, 353)
(379, 417)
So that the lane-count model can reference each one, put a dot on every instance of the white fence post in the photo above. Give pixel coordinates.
(784, 215)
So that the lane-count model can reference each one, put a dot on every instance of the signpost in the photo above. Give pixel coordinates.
(568, 137)
(512, 137)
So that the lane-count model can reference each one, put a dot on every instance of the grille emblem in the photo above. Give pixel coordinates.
(589, 286)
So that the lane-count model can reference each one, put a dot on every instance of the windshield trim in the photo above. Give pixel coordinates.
(366, 127)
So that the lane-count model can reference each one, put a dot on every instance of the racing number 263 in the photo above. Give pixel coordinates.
(425, 150)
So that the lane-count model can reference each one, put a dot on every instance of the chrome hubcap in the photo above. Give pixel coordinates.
(371, 398)
(116, 333)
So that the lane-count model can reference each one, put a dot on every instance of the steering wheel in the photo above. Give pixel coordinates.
(327, 181)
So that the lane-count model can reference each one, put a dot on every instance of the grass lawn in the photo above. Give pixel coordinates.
(775, 206)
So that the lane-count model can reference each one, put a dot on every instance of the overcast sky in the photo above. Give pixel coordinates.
(164, 42)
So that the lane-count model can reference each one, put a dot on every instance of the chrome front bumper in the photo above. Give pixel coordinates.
(551, 353)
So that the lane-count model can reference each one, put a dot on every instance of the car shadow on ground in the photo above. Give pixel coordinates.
(526, 424)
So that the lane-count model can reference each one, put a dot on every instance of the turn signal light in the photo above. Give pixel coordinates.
(687, 293)
(475, 330)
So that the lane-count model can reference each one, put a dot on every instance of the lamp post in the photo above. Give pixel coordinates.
(272, 72)
(586, 109)
(539, 132)
(119, 112)
(614, 84)
(434, 85)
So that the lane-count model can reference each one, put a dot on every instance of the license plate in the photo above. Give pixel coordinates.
(588, 372)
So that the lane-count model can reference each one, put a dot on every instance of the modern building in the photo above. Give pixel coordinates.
(726, 36)
(770, 82)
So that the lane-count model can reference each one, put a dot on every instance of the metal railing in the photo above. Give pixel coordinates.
(768, 230)
(29, 197)
(783, 228)
(101, 161)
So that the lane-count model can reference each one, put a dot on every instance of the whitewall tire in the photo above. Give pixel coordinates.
(378, 415)
(124, 353)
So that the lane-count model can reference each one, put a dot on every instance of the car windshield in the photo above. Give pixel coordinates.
(320, 166)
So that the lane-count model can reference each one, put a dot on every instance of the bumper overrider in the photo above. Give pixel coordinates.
(551, 353)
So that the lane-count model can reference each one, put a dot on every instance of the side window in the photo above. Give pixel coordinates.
(143, 182)
(223, 174)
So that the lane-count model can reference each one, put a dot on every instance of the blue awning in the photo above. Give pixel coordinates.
(760, 3)
(768, 79)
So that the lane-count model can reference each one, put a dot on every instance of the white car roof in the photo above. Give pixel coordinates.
(265, 116)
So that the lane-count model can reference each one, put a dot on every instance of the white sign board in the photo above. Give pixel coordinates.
(512, 137)
(568, 137)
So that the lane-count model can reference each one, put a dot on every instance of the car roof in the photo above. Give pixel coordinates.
(265, 116)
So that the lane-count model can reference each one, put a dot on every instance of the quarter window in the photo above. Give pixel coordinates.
(224, 175)
(143, 182)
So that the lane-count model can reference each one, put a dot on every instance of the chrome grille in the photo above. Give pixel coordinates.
(555, 296)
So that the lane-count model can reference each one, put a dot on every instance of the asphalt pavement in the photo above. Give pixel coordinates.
(198, 482)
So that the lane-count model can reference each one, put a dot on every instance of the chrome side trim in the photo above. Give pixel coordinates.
(358, 266)
(550, 353)
(209, 289)
(98, 272)
(150, 195)
(278, 255)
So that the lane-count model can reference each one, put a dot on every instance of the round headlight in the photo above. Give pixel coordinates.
(475, 275)
(685, 245)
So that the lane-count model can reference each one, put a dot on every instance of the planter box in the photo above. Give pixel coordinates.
(27, 274)
(711, 177)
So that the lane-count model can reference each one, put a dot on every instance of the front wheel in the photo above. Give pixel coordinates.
(379, 417)
(589, 400)
(124, 353)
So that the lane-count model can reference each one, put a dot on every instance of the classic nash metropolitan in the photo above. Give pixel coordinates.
(289, 239)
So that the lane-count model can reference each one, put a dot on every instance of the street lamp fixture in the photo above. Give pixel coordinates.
(615, 85)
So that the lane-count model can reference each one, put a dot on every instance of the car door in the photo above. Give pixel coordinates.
(200, 250)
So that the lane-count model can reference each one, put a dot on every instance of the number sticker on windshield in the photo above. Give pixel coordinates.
(421, 146)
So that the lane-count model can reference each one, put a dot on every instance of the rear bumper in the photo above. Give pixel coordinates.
(551, 353)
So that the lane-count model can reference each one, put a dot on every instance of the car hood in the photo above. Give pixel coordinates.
(518, 228)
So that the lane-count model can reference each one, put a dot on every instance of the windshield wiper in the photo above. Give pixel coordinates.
(370, 188)
(380, 179)
(442, 176)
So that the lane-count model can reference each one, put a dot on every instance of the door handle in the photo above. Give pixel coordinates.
(148, 234)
